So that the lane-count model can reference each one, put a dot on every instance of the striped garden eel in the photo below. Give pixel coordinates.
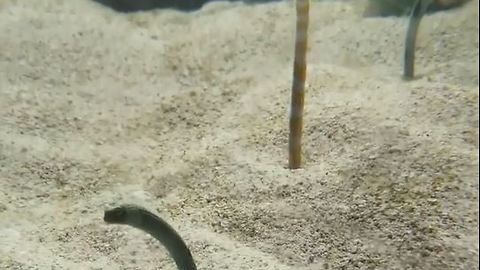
(141, 218)
(298, 85)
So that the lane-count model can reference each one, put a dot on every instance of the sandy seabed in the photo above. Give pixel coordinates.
(186, 114)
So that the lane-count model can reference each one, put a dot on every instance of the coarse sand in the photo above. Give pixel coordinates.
(186, 114)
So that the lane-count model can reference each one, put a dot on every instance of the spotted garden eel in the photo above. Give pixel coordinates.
(150, 223)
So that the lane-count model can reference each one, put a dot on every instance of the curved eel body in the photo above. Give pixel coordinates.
(416, 16)
(148, 222)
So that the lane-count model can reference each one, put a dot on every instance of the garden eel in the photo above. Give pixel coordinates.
(416, 16)
(298, 84)
(148, 222)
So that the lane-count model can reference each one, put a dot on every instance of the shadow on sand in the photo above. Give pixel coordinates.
(182, 5)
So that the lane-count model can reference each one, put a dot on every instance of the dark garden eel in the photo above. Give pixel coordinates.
(150, 223)
(416, 15)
